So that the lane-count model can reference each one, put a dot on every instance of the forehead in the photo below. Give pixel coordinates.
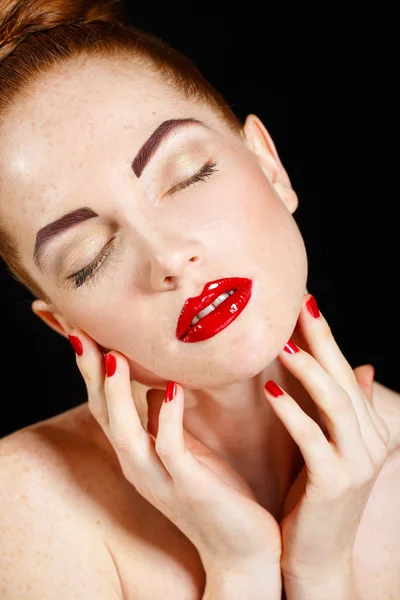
(76, 122)
(84, 105)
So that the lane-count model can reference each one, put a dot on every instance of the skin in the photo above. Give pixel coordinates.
(72, 146)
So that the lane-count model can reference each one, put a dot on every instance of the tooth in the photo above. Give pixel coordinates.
(205, 311)
(220, 299)
(211, 307)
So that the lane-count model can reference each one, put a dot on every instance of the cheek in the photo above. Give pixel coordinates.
(245, 230)
(268, 243)
(260, 229)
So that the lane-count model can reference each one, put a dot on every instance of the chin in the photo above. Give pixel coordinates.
(238, 357)
(257, 349)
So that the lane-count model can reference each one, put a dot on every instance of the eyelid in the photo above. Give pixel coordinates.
(98, 257)
(205, 171)
(93, 266)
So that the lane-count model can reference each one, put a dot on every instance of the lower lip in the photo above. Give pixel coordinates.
(220, 317)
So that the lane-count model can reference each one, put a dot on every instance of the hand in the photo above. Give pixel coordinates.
(319, 529)
(195, 489)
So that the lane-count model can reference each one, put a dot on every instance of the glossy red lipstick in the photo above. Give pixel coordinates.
(221, 316)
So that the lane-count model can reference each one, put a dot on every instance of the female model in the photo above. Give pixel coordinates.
(227, 448)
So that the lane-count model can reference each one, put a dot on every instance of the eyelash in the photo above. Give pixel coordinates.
(88, 273)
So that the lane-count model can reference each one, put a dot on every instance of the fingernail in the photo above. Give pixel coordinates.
(76, 344)
(291, 347)
(312, 307)
(111, 364)
(273, 388)
(170, 391)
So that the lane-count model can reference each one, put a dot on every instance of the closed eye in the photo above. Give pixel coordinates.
(88, 272)
(206, 171)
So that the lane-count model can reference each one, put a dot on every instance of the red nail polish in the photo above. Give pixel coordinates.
(273, 389)
(291, 347)
(76, 344)
(111, 364)
(312, 307)
(170, 391)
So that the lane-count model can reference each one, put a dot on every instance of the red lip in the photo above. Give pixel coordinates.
(211, 291)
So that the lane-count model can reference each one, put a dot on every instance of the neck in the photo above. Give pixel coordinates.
(239, 425)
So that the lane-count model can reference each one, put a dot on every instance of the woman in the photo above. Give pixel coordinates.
(286, 458)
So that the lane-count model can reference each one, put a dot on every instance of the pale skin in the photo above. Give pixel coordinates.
(64, 150)
(159, 253)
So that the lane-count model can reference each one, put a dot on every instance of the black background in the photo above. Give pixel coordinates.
(326, 88)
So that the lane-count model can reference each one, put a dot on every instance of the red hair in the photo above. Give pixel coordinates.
(37, 35)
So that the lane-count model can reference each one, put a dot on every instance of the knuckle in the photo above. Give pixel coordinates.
(344, 404)
(131, 476)
(364, 474)
(308, 362)
(163, 449)
(342, 484)
(380, 453)
(167, 445)
(309, 429)
(134, 466)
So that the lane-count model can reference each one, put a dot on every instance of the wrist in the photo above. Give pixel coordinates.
(341, 567)
(250, 581)
(326, 584)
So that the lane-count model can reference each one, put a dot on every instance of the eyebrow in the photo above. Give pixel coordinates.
(146, 152)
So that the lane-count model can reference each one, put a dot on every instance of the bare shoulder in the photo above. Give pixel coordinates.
(50, 545)
(79, 520)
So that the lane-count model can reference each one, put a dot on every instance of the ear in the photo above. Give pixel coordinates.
(259, 141)
(51, 317)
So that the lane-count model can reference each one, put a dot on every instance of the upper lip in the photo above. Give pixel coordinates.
(210, 292)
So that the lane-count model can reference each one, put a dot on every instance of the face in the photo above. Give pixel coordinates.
(163, 229)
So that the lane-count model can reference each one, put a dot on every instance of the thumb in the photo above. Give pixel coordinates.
(365, 377)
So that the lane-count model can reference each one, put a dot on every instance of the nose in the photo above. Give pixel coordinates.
(170, 259)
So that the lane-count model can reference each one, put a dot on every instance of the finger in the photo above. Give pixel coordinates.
(135, 449)
(90, 362)
(326, 351)
(334, 402)
(170, 445)
(307, 434)
(365, 378)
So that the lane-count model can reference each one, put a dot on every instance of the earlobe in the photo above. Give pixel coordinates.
(288, 195)
(49, 315)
